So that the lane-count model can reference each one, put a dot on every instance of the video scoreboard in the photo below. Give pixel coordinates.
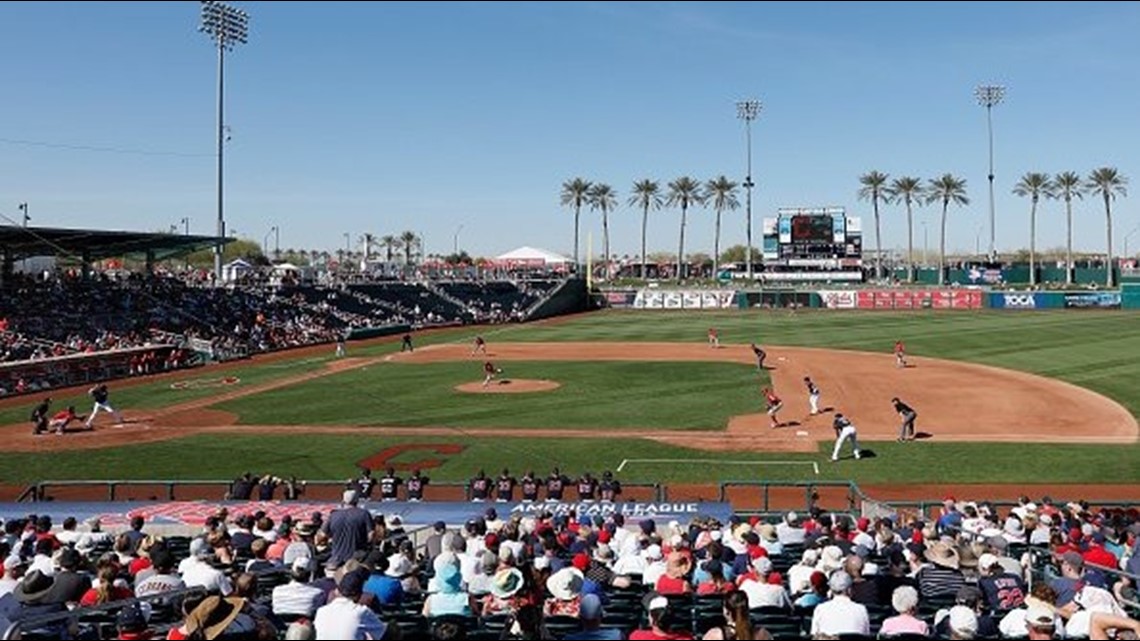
(817, 237)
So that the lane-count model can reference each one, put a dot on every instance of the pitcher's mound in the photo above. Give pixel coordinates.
(509, 386)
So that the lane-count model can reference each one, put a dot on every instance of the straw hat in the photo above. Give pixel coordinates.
(944, 555)
(565, 584)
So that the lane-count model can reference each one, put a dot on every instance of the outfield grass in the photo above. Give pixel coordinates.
(330, 457)
(683, 396)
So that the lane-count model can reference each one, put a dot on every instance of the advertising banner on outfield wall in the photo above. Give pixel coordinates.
(837, 299)
(918, 299)
(621, 299)
(1100, 300)
(684, 299)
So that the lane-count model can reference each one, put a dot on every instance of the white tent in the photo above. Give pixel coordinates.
(236, 269)
(529, 256)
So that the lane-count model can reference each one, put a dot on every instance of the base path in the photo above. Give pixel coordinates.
(955, 401)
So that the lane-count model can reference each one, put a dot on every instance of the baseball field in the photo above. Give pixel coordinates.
(1002, 398)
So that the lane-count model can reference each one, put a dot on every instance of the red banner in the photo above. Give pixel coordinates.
(918, 299)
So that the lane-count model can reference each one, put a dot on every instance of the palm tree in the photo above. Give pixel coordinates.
(647, 195)
(390, 243)
(683, 192)
(603, 198)
(874, 189)
(909, 190)
(408, 240)
(1035, 185)
(1107, 182)
(1067, 184)
(948, 189)
(575, 193)
(722, 193)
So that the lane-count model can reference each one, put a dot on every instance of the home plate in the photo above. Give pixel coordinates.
(801, 433)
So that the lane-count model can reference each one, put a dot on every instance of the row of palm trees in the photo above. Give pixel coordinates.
(948, 189)
(683, 193)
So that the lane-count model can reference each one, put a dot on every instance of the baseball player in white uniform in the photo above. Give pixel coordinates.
(813, 395)
(844, 430)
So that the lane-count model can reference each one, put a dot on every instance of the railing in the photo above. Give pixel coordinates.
(810, 490)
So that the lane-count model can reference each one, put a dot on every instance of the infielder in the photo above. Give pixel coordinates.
(774, 405)
(100, 394)
(714, 338)
(490, 371)
(340, 346)
(844, 430)
(760, 356)
(900, 354)
(813, 395)
(480, 346)
(906, 431)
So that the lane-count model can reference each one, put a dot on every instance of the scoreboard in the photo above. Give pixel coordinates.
(818, 237)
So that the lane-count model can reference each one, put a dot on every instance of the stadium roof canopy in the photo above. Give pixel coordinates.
(24, 242)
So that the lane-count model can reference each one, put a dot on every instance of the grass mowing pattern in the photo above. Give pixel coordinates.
(683, 396)
(328, 457)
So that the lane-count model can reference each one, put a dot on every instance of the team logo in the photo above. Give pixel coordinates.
(1020, 301)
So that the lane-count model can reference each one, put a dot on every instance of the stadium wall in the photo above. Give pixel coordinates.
(569, 297)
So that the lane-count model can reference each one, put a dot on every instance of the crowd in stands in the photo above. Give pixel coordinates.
(70, 315)
(1037, 571)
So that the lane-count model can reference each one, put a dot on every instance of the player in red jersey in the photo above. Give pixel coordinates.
(480, 346)
(900, 354)
(489, 370)
(714, 339)
(63, 418)
(774, 405)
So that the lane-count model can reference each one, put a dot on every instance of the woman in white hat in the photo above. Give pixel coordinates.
(565, 588)
(504, 595)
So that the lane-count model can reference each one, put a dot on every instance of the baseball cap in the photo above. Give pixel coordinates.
(131, 617)
(987, 561)
(302, 564)
(590, 608)
(352, 583)
(581, 561)
(199, 547)
(653, 552)
(839, 582)
(655, 601)
(762, 564)
(439, 526)
(13, 561)
(963, 621)
(1038, 616)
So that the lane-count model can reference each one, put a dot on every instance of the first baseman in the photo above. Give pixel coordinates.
(774, 405)
(760, 355)
(480, 346)
(844, 430)
(900, 354)
(714, 338)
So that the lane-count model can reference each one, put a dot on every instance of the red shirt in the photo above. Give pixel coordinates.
(712, 333)
(138, 565)
(650, 635)
(708, 587)
(772, 398)
(669, 585)
(899, 347)
(63, 415)
(1097, 555)
(117, 594)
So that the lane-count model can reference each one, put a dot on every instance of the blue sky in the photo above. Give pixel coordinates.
(355, 117)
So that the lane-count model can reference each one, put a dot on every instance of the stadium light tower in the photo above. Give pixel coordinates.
(227, 26)
(748, 110)
(988, 96)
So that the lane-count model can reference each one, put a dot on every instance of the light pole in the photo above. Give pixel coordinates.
(455, 249)
(23, 207)
(226, 26)
(1127, 236)
(186, 225)
(748, 110)
(925, 244)
(988, 96)
(265, 241)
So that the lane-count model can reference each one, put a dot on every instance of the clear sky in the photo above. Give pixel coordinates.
(359, 117)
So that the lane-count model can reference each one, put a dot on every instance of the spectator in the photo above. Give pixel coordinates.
(344, 617)
(162, 579)
(504, 596)
(348, 528)
(106, 588)
(738, 624)
(387, 589)
(905, 602)
(298, 597)
(135, 535)
(565, 588)
(197, 572)
(716, 584)
(674, 580)
(962, 622)
(1002, 591)
(131, 624)
(70, 585)
(591, 614)
(840, 615)
(944, 577)
(664, 624)
(817, 591)
(450, 599)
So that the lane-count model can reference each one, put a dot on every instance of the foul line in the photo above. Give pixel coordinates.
(814, 465)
